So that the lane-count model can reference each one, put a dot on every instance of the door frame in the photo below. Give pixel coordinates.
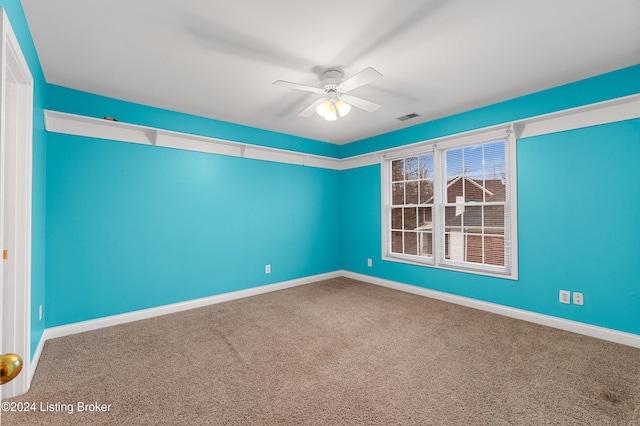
(16, 159)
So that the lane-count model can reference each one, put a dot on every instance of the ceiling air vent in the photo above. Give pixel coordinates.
(408, 116)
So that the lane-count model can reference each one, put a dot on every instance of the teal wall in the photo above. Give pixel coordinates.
(19, 25)
(578, 210)
(134, 226)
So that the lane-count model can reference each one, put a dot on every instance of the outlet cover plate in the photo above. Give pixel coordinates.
(578, 298)
(565, 297)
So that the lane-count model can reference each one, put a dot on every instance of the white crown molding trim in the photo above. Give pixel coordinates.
(608, 334)
(620, 109)
(360, 160)
(80, 327)
(78, 125)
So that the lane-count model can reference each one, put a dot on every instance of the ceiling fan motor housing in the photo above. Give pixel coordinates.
(330, 80)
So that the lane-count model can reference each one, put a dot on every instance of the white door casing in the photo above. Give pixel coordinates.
(16, 132)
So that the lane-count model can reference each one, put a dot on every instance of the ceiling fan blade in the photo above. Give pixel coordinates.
(308, 111)
(360, 103)
(297, 86)
(365, 76)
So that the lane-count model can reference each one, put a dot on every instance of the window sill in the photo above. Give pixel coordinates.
(429, 263)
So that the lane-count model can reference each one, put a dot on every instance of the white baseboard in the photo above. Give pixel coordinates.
(80, 327)
(628, 339)
(33, 363)
(608, 334)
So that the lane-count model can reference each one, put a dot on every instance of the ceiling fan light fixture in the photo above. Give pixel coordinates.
(331, 114)
(323, 108)
(330, 109)
(343, 108)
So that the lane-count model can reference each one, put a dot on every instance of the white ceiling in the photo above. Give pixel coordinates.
(218, 59)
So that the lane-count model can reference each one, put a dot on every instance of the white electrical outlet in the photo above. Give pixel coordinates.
(40, 312)
(267, 269)
(565, 297)
(578, 298)
(369, 263)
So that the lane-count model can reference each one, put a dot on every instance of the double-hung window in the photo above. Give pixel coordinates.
(452, 204)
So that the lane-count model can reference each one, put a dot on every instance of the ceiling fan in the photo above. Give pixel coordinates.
(335, 101)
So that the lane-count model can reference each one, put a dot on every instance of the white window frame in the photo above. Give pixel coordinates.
(438, 147)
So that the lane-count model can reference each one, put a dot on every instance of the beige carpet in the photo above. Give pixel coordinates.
(337, 352)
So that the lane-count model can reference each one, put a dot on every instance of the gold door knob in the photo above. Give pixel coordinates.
(10, 367)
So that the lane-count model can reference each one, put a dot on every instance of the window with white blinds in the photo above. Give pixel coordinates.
(452, 205)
